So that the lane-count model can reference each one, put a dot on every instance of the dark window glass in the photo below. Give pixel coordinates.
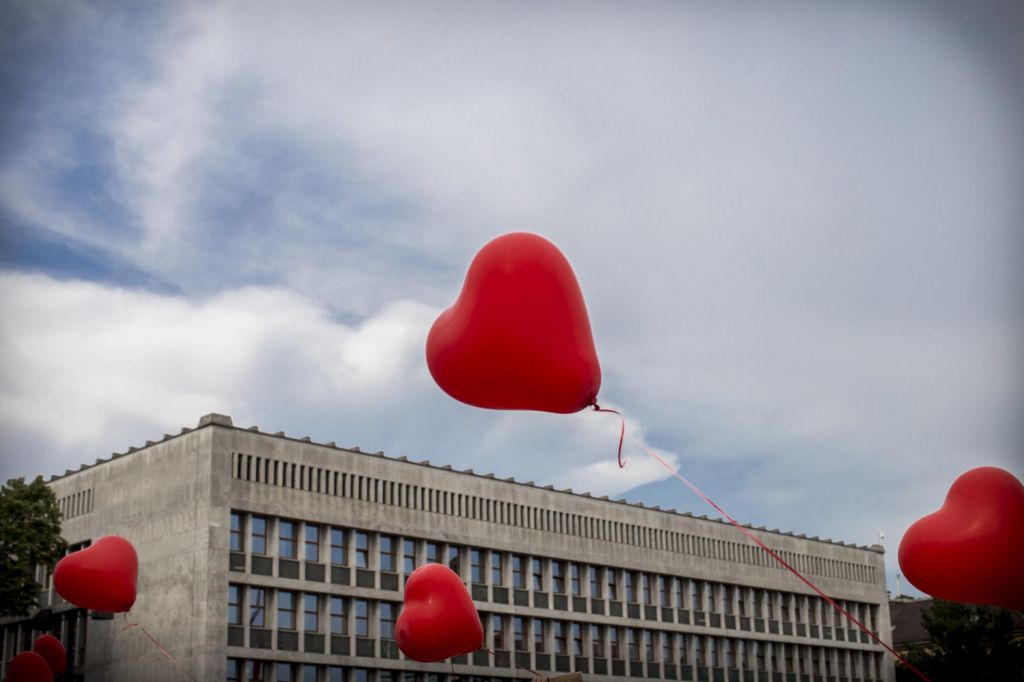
(645, 582)
(234, 670)
(613, 587)
(339, 621)
(597, 641)
(630, 578)
(236, 532)
(558, 632)
(538, 574)
(518, 633)
(453, 558)
(312, 542)
(286, 610)
(335, 674)
(362, 618)
(286, 539)
(649, 645)
(309, 673)
(613, 642)
(283, 673)
(259, 534)
(631, 645)
(386, 611)
(311, 613)
(595, 582)
(666, 647)
(574, 573)
(258, 670)
(339, 546)
(577, 639)
(664, 590)
(497, 575)
(234, 605)
(433, 553)
(408, 556)
(362, 549)
(538, 635)
(518, 571)
(476, 568)
(387, 553)
(257, 607)
(499, 631)
(558, 577)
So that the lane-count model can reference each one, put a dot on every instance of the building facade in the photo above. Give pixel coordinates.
(266, 557)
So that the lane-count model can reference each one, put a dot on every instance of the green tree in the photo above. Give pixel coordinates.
(967, 643)
(29, 537)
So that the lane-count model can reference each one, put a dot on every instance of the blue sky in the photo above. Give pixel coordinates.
(797, 226)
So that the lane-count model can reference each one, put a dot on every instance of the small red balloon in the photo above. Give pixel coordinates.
(439, 619)
(28, 666)
(52, 651)
(970, 550)
(518, 336)
(101, 577)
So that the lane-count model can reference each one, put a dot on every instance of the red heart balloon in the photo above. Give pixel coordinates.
(100, 577)
(439, 619)
(518, 336)
(52, 651)
(970, 550)
(28, 666)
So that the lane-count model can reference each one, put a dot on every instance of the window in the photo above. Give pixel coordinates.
(499, 632)
(258, 528)
(408, 556)
(236, 533)
(645, 582)
(712, 606)
(538, 573)
(597, 641)
(311, 613)
(727, 599)
(613, 587)
(666, 647)
(362, 618)
(558, 629)
(234, 605)
(697, 595)
(433, 553)
(386, 547)
(453, 558)
(285, 610)
(649, 645)
(613, 642)
(335, 674)
(339, 547)
(497, 576)
(362, 549)
(558, 577)
(386, 614)
(476, 566)
(518, 572)
(257, 607)
(284, 673)
(309, 673)
(682, 649)
(234, 670)
(574, 578)
(577, 639)
(713, 651)
(630, 586)
(595, 583)
(538, 636)
(312, 542)
(663, 590)
(698, 650)
(741, 602)
(339, 622)
(286, 539)
(258, 670)
(518, 633)
(631, 645)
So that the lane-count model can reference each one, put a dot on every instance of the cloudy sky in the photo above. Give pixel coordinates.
(797, 225)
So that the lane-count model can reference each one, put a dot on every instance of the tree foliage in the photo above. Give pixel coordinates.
(29, 537)
(967, 643)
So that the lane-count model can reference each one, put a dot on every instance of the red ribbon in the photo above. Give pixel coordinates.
(772, 554)
(622, 430)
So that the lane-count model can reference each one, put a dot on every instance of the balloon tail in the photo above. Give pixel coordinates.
(783, 562)
(158, 645)
(622, 430)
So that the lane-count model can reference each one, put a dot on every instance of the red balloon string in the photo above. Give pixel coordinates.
(622, 430)
(772, 554)
(159, 646)
(518, 667)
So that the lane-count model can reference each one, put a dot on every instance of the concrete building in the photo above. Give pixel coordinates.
(267, 557)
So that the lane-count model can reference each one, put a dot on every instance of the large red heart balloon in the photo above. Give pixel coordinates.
(518, 336)
(439, 619)
(28, 666)
(971, 549)
(100, 577)
(52, 651)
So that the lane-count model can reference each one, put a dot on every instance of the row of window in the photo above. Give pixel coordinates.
(252, 670)
(341, 483)
(75, 504)
(392, 554)
(340, 616)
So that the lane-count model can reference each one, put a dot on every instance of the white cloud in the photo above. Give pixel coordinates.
(89, 368)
